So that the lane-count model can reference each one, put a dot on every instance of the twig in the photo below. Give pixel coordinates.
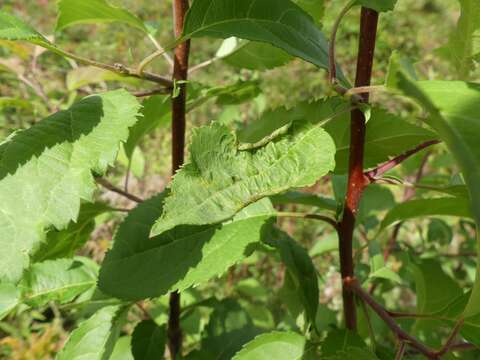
(109, 186)
(451, 338)
(179, 110)
(332, 65)
(319, 217)
(402, 335)
(401, 351)
(145, 93)
(356, 178)
(160, 48)
(372, 175)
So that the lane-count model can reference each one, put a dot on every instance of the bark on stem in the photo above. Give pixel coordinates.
(356, 179)
(180, 73)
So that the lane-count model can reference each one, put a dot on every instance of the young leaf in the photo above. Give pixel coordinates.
(9, 298)
(275, 345)
(188, 255)
(46, 170)
(301, 269)
(280, 23)
(462, 47)
(64, 243)
(219, 181)
(148, 341)
(94, 338)
(427, 207)
(378, 5)
(72, 12)
(57, 280)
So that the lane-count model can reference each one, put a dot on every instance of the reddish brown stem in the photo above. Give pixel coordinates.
(356, 179)
(372, 175)
(389, 321)
(180, 73)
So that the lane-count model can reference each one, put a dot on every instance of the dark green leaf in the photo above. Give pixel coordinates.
(148, 341)
(188, 255)
(427, 207)
(278, 22)
(301, 269)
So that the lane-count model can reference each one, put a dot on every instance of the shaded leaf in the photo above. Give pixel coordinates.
(72, 12)
(94, 338)
(454, 109)
(274, 345)
(57, 280)
(219, 180)
(148, 341)
(155, 112)
(46, 171)
(301, 269)
(278, 22)
(340, 340)
(64, 243)
(427, 207)
(188, 255)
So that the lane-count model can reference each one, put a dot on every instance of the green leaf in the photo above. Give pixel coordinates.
(432, 298)
(229, 328)
(155, 113)
(9, 298)
(12, 28)
(340, 340)
(57, 280)
(388, 135)
(254, 55)
(454, 108)
(427, 207)
(46, 171)
(327, 244)
(463, 43)
(219, 180)
(122, 350)
(188, 255)
(281, 23)
(148, 341)
(72, 12)
(378, 5)
(303, 198)
(275, 345)
(64, 243)
(301, 269)
(315, 8)
(94, 338)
